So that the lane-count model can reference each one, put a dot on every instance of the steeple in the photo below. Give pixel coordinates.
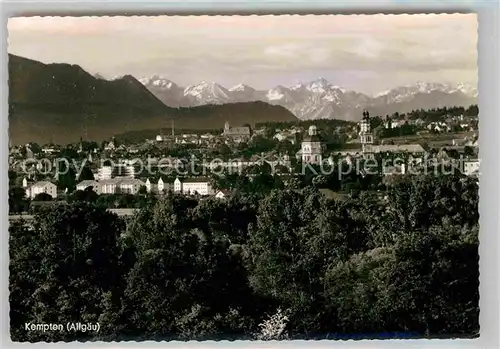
(365, 135)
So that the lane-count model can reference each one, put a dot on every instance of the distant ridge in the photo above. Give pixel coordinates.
(318, 99)
(62, 102)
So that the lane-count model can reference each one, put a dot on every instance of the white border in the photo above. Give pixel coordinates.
(489, 130)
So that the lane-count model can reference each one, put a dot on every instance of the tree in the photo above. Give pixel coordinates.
(17, 200)
(68, 273)
(67, 178)
(468, 151)
(184, 277)
(86, 174)
(86, 195)
(42, 197)
(12, 178)
(35, 148)
(295, 238)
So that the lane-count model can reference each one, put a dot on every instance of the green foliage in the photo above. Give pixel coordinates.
(86, 174)
(400, 260)
(17, 200)
(42, 197)
(63, 270)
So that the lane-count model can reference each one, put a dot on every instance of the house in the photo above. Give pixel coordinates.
(414, 149)
(104, 172)
(130, 185)
(49, 149)
(390, 124)
(86, 184)
(41, 187)
(439, 127)
(117, 185)
(196, 185)
(108, 172)
(471, 167)
(286, 135)
(223, 194)
(161, 186)
(311, 147)
(133, 149)
(110, 146)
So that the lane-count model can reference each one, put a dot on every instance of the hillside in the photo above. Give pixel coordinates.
(62, 102)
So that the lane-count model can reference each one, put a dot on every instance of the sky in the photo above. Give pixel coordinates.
(366, 53)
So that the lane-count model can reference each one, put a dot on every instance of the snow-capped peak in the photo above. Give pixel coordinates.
(467, 89)
(428, 87)
(158, 81)
(320, 85)
(297, 86)
(341, 89)
(277, 93)
(208, 92)
(240, 88)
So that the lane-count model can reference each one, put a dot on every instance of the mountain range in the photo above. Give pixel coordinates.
(62, 103)
(317, 99)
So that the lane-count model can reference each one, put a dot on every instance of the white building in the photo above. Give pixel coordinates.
(471, 167)
(125, 171)
(117, 185)
(197, 185)
(122, 170)
(160, 187)
(312, 147)
(366, 136)
(110, 146)
(130, 185)
(41, 187)
(86, 184)
(104, 172)
(223, 194)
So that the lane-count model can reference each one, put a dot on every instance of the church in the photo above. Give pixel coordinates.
(312, 147)
(237, 134)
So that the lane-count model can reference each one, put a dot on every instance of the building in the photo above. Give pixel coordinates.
(366, 136)
(86, 184)
(311, 148)
(122, 170)
(369, 150)
(413, 149)
(104, 172)
(40, 187)
(130, 185)
(110, 146)
(117, 185)
(197, 185)
(471, 167)
(237, 134)
(223, 194)
(161, 186)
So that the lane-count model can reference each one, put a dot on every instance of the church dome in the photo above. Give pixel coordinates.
(312, 135)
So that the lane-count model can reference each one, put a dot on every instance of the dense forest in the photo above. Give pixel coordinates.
(286, 264)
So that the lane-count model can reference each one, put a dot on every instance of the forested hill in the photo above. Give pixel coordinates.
(61, 102)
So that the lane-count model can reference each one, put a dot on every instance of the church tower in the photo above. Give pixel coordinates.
(312, 147)
(366, 135)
